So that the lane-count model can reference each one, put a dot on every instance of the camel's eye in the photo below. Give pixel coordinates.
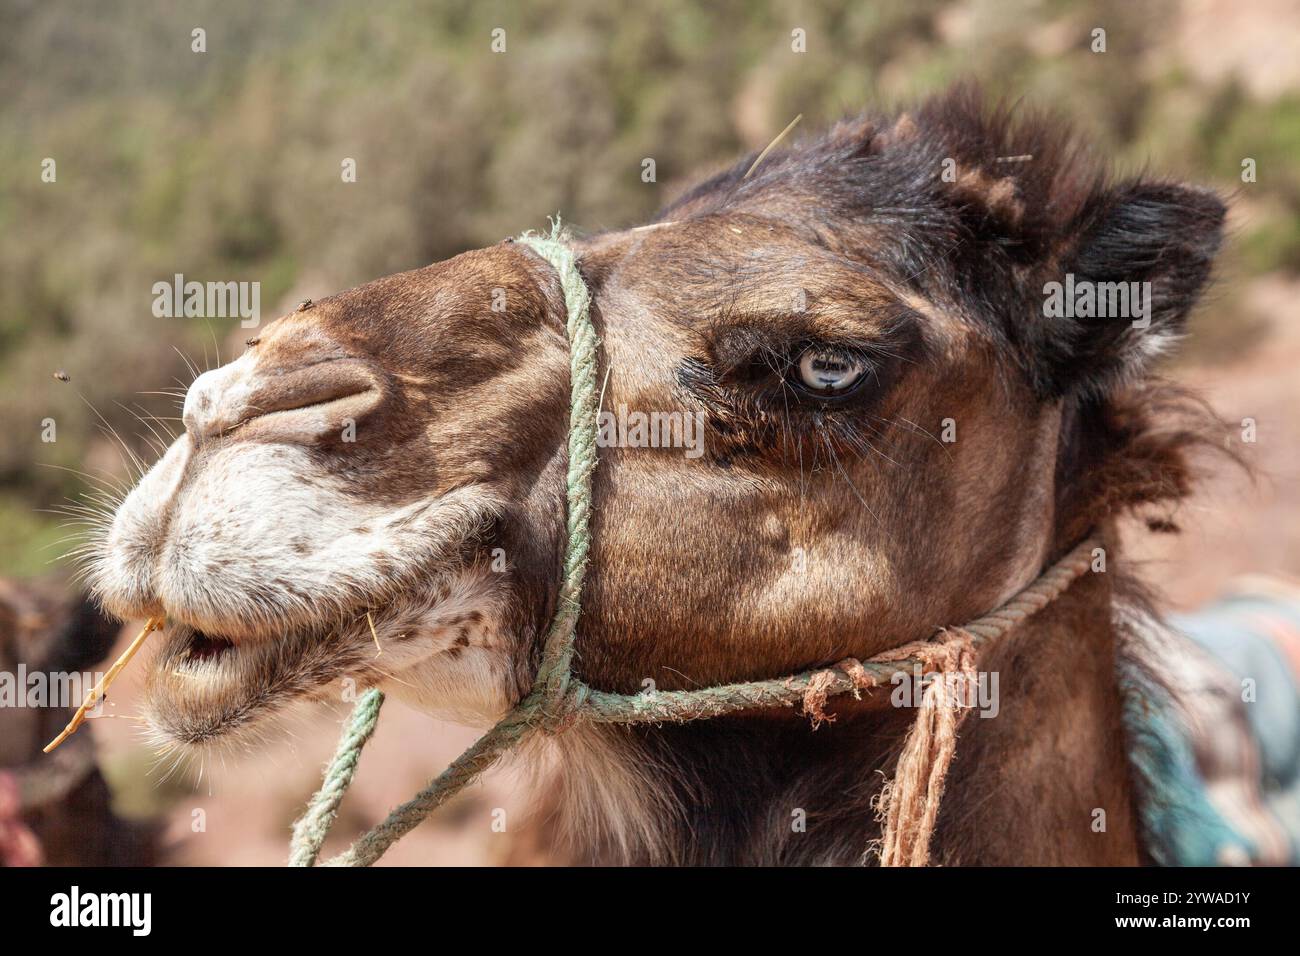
(829, 373)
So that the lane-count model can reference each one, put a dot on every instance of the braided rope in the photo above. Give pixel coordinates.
(463, 771)
(557, 699)
(557, 654)
(313, 826)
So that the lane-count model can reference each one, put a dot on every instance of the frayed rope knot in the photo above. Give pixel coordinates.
(908, 805)
(822, 684)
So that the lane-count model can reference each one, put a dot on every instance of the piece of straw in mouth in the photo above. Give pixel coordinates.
(100, 689)
(373, 633)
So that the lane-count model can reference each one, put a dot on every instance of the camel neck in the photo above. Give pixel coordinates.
(1040, 778)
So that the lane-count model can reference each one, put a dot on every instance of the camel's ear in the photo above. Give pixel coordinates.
(1140, 259)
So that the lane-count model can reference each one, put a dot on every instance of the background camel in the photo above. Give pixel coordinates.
(56, 811)
(373, 490)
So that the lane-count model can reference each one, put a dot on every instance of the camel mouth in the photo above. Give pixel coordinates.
(203, 688)
(208, 647)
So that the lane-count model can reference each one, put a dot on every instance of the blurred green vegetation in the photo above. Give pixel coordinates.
(226, 164)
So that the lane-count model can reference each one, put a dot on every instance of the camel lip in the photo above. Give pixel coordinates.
(194, 651)
(202, 689)
(205, 647)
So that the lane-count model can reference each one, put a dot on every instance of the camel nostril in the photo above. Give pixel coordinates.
(295, 403)
(308, 403)
(313, 386)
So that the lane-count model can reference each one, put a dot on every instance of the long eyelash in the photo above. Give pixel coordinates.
(773, 419)
(756, 408)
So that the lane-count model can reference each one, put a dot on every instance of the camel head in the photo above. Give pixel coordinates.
(844, 404)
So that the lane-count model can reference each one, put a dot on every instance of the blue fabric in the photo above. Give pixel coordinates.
(1217, 756)
(1229, 630)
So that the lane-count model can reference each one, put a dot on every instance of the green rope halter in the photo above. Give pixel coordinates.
(557, 698)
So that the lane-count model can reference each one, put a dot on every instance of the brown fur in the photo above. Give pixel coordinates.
(811, 529)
